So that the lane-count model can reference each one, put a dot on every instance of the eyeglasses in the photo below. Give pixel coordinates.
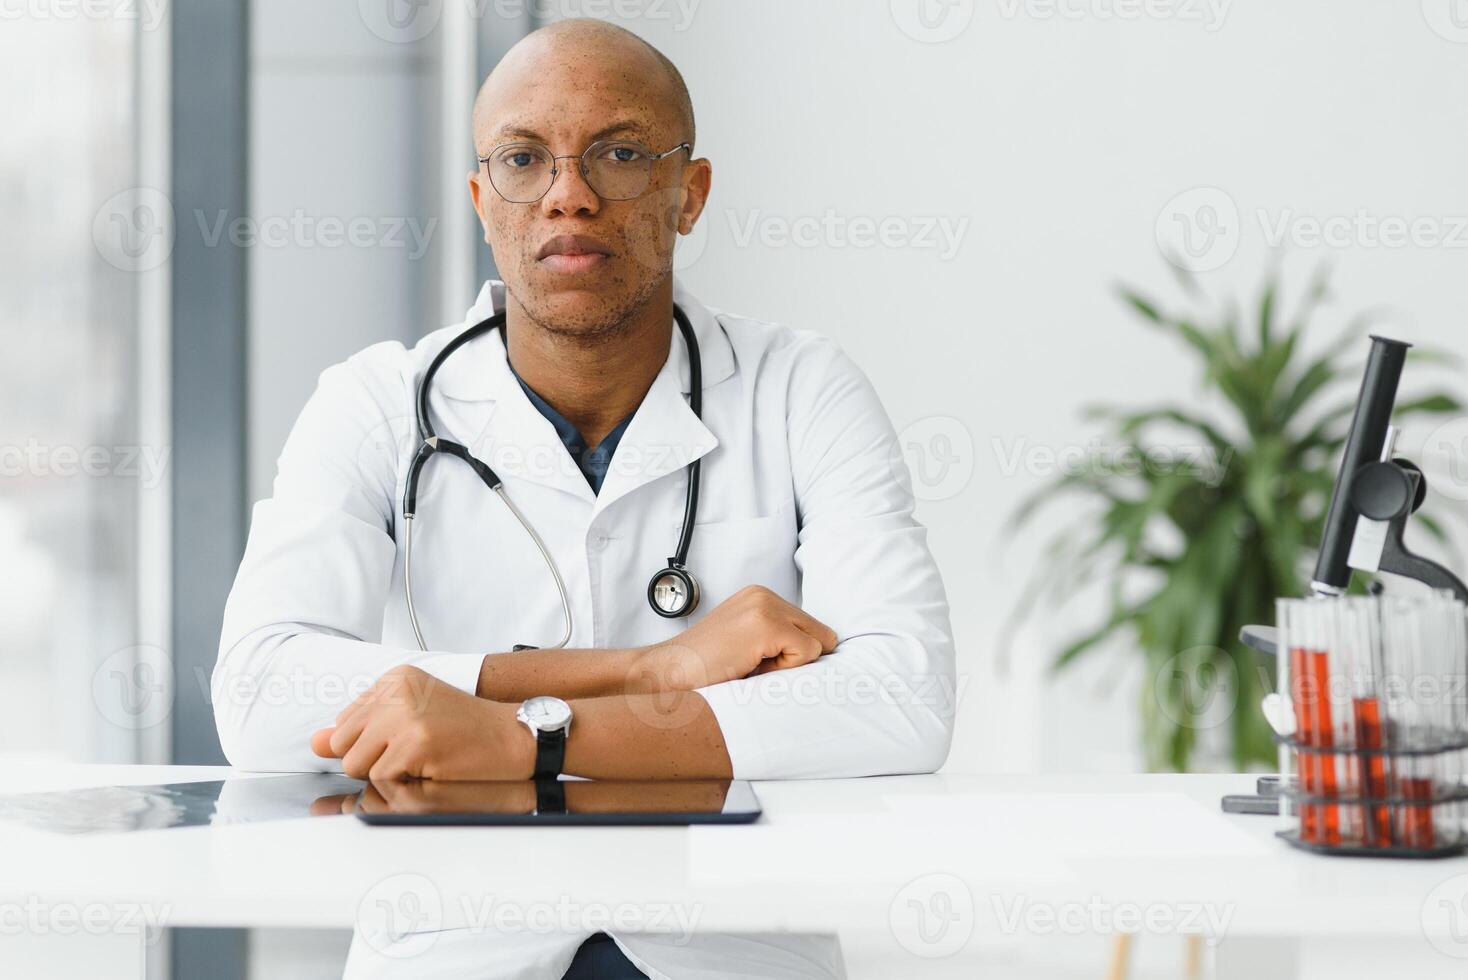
(618, 170)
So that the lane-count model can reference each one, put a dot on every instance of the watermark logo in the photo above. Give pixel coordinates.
(400, 916)
(1199, 230)
(1445, 917)
(133, 687)
(1445, 458)
(939, 233)
(133, 230)
(933, 916)
(1447, 18)
(1095, 916)
(932, 21)
(1197, 688)
(935, 456)
(33, 917)
(1209, 13)
(149, 14)
(400, 21)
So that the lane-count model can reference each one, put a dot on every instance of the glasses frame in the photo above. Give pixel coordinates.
(652, 158)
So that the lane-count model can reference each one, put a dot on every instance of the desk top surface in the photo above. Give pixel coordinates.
(827, 853)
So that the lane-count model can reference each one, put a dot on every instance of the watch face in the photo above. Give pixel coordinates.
(545, 714)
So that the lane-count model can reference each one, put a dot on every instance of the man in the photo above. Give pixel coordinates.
(820, 646)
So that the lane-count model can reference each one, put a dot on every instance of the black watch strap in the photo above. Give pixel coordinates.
(550, 753)
(550, 796)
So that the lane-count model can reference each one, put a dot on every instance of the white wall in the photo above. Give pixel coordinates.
(1056, 143)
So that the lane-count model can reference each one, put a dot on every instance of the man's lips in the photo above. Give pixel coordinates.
(572, 253)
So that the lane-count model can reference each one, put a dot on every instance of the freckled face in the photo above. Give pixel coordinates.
(566, 96)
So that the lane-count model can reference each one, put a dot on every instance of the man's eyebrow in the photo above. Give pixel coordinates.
(622, 127)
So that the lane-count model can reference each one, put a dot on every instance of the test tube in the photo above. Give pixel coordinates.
(1363, 616)
(1310, 696)
(1408, 660)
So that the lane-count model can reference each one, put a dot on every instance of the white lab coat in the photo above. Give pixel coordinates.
(804, 491)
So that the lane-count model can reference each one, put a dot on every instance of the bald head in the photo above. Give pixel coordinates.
(593, 53)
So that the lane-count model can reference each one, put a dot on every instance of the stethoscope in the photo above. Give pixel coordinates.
(672, 592)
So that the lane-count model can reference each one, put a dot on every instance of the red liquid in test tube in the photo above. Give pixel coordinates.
(1325, 738)
(1308, 668)
(1378, 824)
(1417, 820)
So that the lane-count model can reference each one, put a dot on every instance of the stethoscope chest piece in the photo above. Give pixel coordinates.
(673, 592)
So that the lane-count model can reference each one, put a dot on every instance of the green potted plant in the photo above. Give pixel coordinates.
(1191, 546)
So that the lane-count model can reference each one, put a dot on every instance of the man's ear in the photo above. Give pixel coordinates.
(477, 195)
(698, 178)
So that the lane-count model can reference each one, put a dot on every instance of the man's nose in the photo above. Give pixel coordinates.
(569, 192)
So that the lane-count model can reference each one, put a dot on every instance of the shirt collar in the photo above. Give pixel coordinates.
(479, 370)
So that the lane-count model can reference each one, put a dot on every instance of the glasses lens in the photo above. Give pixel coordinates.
(618, 171)
(521, 172)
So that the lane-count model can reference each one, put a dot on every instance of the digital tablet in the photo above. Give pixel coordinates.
(569, 802)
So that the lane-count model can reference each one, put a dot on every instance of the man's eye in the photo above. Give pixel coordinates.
(520, 159)
(624, 154)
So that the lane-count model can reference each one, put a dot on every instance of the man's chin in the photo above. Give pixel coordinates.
(582, 310)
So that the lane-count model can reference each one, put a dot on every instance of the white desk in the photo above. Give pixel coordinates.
(901, 868)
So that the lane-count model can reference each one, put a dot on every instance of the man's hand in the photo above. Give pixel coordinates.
(754, 631)
(410, 723)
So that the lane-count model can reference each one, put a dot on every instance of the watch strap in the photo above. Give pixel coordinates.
(550, 753)
(550, 796)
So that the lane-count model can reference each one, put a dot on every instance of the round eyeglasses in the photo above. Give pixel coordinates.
(618, 170)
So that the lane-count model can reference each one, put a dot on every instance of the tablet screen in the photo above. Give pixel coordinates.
(566, 801)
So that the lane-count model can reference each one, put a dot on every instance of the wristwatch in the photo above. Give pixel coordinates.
(549, 720)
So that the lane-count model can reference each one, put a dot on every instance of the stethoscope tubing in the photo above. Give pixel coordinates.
(430, 444)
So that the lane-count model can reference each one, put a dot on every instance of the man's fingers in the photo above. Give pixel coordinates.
(823, 633)
(321, 743)
(345, 734)
(796, 647)
(331, 806)
(363, 756)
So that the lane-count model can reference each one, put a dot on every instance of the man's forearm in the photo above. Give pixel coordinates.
(646, 736)
(565, 674)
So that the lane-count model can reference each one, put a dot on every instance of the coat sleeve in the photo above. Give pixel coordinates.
(884, 701)
(304, 619)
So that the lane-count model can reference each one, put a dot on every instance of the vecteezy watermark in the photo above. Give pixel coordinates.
(1209, 13)
(148, 13)
(935, 457)
(932, 21)
(1098, 458)
(492, 914)
(301, 229)
(402, 916)
(146, 464)
(1445, 917)
(1445, 458)
(1019, 915)
(933, 916)
(406, 21)
(1198, 230)
(931, 232)
(1447, 18)
(1362, 229)
(133, 230)
(133, 687)
(34, 917)
(1197, 688)
(399, 917)
(136, 229)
